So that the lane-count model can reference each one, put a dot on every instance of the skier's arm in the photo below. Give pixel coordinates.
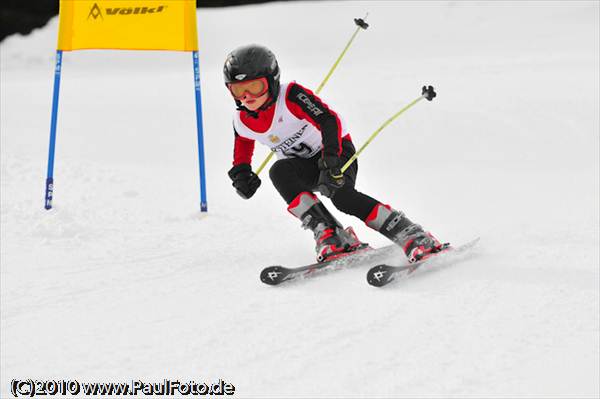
(304, 104)
(243, 148)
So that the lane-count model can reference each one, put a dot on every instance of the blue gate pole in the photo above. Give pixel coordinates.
(203, 204)
(50, 174)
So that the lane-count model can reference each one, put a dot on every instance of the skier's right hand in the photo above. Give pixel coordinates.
(244, 180)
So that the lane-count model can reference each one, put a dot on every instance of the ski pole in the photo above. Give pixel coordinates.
(361, 24)
(427, 93)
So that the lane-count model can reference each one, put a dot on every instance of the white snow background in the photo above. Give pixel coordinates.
(124, 279)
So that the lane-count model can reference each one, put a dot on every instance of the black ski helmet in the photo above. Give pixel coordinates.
(250, 62)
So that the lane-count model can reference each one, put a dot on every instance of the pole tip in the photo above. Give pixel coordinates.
(428, 92)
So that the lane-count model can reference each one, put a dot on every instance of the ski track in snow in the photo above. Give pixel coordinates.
(124, 279)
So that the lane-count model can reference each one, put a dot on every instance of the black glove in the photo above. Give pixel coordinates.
(245, 181)
(331, 177)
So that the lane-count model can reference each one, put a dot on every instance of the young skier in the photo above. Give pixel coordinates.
(312, 144)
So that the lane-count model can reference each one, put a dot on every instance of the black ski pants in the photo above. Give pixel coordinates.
(292, 176)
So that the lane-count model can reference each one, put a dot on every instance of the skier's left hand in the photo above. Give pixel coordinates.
(331, 177)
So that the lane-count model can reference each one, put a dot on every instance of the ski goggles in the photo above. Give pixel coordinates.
(254, 88)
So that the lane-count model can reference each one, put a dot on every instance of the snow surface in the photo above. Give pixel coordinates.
(125, 279)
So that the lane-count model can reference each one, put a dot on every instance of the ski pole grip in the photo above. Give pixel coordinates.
(361, 23)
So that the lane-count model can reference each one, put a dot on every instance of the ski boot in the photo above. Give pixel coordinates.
(416, 243)
(332, 240)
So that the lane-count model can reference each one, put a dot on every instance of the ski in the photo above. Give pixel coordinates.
(275, 275)
(381, 275)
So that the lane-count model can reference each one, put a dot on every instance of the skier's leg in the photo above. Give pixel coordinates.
(352, 202)
(393, 224)
(294, 178)
(347, 199)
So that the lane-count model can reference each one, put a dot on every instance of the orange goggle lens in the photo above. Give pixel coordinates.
(255, 87)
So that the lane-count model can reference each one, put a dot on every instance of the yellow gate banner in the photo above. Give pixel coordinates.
(128, 25)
